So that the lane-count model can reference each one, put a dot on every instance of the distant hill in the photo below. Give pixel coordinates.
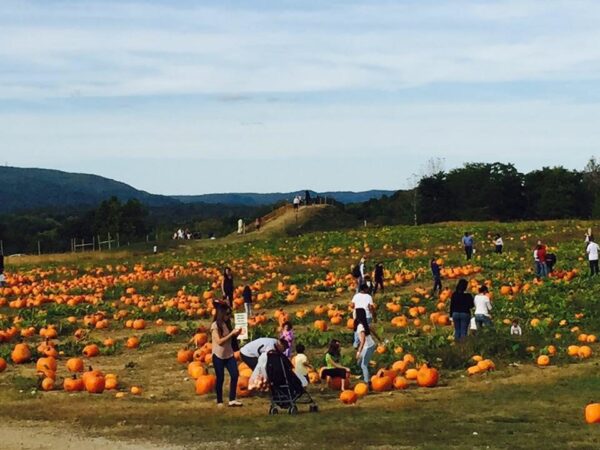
(26, 189)
(255, 199)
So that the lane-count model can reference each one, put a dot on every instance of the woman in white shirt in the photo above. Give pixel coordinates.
(366, 346)
(483, 308)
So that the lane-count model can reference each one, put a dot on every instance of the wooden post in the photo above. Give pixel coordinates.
(118, 240)
(109, 246)
(1, 247)
(93, 244)
(39, 248)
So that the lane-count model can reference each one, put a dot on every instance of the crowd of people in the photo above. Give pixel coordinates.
(468, 314)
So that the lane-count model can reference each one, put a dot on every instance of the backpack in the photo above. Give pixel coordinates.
(356, 271)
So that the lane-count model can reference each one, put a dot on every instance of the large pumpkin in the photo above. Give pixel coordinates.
(348, 397)
(91, 350)
(73, 384)
(205, 384)
(400, 382)
(75, 365)
(592, 413)
(184, 356)
(196, 369)
(2, 365)
(427, 377)
(361, 389)
(381, 383)
(21, 354)
(95, 383)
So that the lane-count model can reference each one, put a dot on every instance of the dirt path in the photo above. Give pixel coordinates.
(42, 436)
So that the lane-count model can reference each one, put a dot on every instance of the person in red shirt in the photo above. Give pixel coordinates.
(542, 269)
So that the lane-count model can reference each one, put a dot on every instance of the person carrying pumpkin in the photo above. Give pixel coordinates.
(366, 346)
(223, 354)
(333, 369)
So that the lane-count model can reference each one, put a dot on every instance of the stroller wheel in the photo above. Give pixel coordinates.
(313, 408)
(273, 411)
(293, 410)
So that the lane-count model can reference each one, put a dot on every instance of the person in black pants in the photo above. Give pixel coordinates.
(437, 276)
(467, 241)
(227, 286)
(461, 304)
(378, 278)
(1, 269)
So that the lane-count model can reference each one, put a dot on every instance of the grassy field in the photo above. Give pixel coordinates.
(519, 405)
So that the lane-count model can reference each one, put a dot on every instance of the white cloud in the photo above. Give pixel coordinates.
(122, 49)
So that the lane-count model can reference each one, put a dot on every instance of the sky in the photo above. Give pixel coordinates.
(192, 97)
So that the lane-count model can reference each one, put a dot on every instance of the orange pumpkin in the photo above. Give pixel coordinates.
(91, 350)
(75, 365)
(95, 383)
(400, 383)
(381, 383)
(428, 377)
(47, 384)
(73, 384)
(205, 384)
(242, 387)
(348, 397)
(184, 356)
(543, 360)
(196, 369)
(21, 354)
(2, 364)
(592, 413)
(361, 389)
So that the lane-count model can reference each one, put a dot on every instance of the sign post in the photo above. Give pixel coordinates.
(241, 321)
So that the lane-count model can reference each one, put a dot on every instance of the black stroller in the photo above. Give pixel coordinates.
(286, 387)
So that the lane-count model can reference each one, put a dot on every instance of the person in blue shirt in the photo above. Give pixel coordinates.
(437, 276)
(467, 241)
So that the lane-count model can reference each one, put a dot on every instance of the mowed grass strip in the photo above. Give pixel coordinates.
(524, 411)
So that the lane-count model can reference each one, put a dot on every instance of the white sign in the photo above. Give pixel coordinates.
(241, 321)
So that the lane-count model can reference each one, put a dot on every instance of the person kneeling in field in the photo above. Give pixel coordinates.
(333, 368)
(253, 349)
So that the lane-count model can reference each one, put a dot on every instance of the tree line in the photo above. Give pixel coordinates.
(490, 191)
(131, 220)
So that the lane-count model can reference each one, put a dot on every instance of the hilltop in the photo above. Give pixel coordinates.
(28, 188)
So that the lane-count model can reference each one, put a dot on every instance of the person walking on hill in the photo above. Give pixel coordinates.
(257, 223)
(436, 271)
(223, 354)
(296, 203)
(227, 286)
(592, 251)
(461, 304)
(499, 243)
(378, 275)
(468, 242)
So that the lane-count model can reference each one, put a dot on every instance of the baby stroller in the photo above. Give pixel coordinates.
(286, 387)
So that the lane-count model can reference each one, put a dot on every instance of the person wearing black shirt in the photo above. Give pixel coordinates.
(247, 295)
(437, 276)
(378, 278)
(227, 286)
(461, 304)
